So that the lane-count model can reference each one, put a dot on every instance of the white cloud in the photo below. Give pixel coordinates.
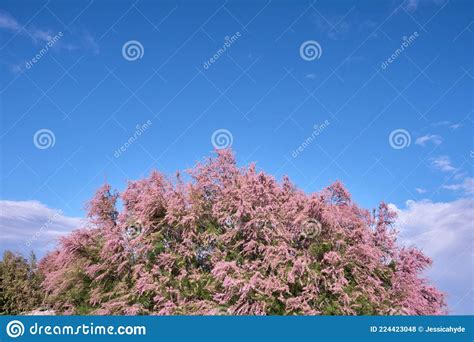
(440, 123)
(82, 39)
(444, 231)
(8, 22)
(453, 126)
(414, 5)
(467, 186)
(310, 76)
(43, 35)
(89, 43)
(420, 190)
(369, 26)
(411, 5)
(31, 225)
(443, 163)
(335, 27)
(435, 139)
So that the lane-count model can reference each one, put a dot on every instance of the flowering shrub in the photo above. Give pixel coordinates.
(235, 241)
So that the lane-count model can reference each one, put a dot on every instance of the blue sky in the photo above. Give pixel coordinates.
(72, 95)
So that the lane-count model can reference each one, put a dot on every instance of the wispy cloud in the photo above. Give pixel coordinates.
(443, 163)
(411, 5)
(369, 26)
(9, 23)
(455, 126)
(335, 27)
(466, 186)
(441, 123)
(78, 40)
(31, 225)
(443, 230)
(420, 190)
(429, 138)
(85, 41)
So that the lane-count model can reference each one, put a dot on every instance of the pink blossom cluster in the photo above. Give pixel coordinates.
(228, 240)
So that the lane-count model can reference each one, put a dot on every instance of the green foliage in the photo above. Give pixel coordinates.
(318, 249)
(20, 288)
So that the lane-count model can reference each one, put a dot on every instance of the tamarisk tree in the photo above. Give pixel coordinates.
(231, 240)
